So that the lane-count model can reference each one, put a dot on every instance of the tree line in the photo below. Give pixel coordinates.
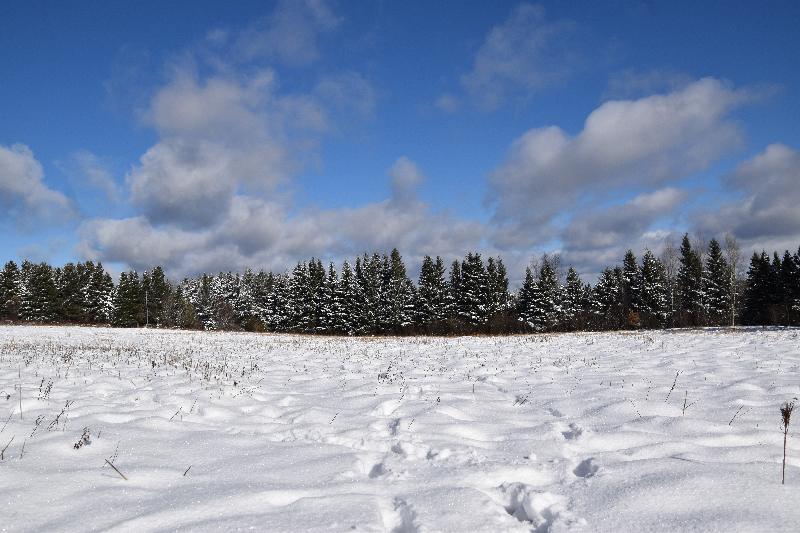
(695, 285)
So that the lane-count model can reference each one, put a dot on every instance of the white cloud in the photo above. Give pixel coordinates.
(525, 53)
(624, 145)
(24, 197)
(766, 213)
(290, 34)
(262, 234)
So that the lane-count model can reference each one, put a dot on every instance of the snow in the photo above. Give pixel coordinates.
(578, 432)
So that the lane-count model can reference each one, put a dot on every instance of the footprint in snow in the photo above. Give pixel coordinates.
(573, 432)
(586, 468)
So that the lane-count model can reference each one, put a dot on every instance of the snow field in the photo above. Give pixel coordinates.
(651, 431)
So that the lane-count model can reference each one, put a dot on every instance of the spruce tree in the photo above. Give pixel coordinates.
(690, 285)
(547, 300)
(474, 295)
(70, 305)
(396, 300)
(128, 309)
(573, 301)
(454, 290)
(757, 296)
(326, 308)
(9, 291)
(607, 302)
(631, 289)
(717, 285)
(38, 294)
(654, 302)
(497, 278)
(525, 299)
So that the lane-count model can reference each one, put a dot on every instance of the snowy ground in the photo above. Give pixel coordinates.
(584, 432)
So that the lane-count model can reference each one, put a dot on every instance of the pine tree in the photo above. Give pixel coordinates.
(38, 294)
(525, 299)
(98, 294)
(9, 291)
(757, 297)
(573, 301)
(474, 295)
(497, 278)
(547, 300)
(396, 295)
(156, 292)
(690, 285)
(717, 285)
(278, 304)
(454, 290)
(607, 305)
(70, 305)
(431, 305)
(631, 289)
(654, 295)
(300, 299)
(326, 308)
(128, 309)
(347, 301)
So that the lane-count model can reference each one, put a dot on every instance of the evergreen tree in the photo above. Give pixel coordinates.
(654, 295)
(197, 291)
(128, 311)
(278, 304)
(98, 294)
(526, 313)
(573, 301)
(690, 285)
(70, 305)
(757, 297)
(157, 290)
(432, 292)
(454, 290)
(9, 291)
(547, 300)
(301, 307)
(396, 298)
(347, 302)
(474, 295)
(631, 289)
(606, 303)
(717, 286)
(497, 278)
(38, 294)
(326, 308)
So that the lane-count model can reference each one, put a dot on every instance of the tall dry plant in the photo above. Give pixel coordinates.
(786, 417)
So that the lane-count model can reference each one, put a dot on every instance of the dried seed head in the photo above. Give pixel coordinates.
(786, 413)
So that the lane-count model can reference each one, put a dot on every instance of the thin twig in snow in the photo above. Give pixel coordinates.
(116, 469)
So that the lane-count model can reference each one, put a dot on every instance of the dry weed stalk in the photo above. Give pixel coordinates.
(786, 416)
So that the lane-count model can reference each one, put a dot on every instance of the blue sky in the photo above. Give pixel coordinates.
(210, 135)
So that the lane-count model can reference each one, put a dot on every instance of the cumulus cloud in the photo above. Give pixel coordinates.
(290, 34)
(220, 135)
(598, 237)
(262, 234)
(766, 212)
(631, 144)
(523, 54)
(24, 197)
